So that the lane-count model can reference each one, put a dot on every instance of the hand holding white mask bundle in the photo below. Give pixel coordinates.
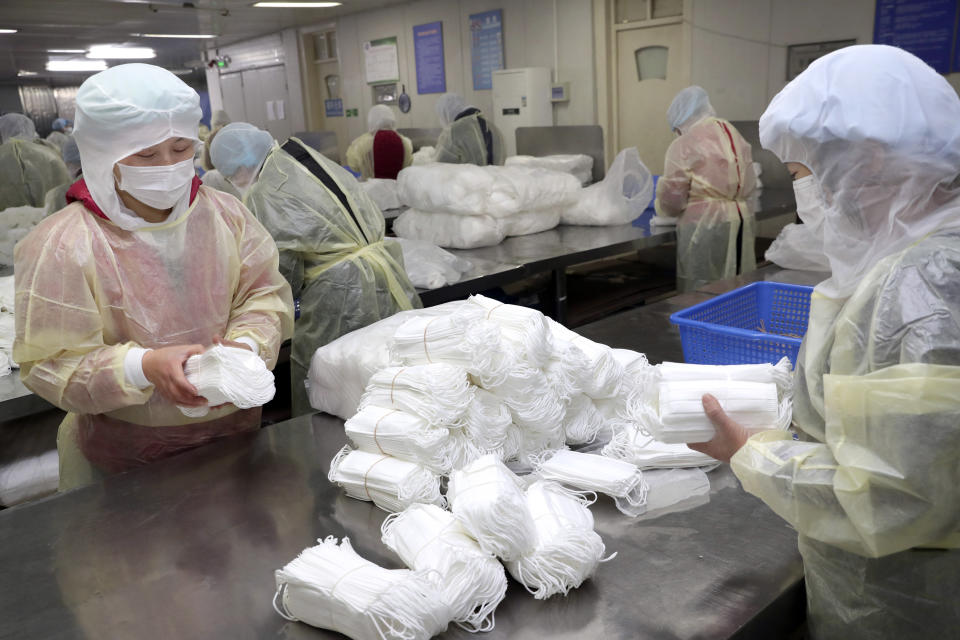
(161, 187)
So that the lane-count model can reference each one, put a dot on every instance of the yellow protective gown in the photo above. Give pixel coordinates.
(707, 176)
(878, 397)
(337, 265)
(462, 142)
(87, 291)
(360, 154)
(28, 170)
(215, 180)
(56, 198)
(58, 138)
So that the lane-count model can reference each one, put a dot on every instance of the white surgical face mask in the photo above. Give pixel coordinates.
(158, 187)
(810, 205)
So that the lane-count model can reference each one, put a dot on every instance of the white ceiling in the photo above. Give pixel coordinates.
(78, 24)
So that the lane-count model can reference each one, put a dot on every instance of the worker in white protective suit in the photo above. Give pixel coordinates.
(381, 152)
(467, 137)
(873, 486)
(707, 177)
(143, 269)
(29, 167)
(330, 235)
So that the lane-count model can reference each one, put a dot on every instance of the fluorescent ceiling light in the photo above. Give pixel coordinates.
(297, 5)
(174, 35)
(112, 52)
(23, 73)
(181, 72)
(8, 30)
(66, 50)
(76, 65)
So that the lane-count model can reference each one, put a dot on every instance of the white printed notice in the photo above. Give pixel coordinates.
(380, 57)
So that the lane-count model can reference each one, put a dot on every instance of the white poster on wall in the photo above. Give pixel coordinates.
(380, 58)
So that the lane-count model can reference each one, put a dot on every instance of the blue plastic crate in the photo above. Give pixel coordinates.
(761, 322)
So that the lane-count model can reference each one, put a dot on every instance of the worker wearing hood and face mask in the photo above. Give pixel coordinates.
(707, 176)
(142, 270)
(29, 167)
(468, 137)
(237, 152)
(873, 486)
(381, 152)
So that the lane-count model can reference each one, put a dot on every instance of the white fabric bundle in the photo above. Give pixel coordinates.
(439, 393)
(526, 330)
(402, 435)
(620, 480)
(486, 422)
(673, 490)
(471, 232)
(427, 538)
(329, 586)
(602, 373)
(619, 198)
(663, 221)
(645, 451)
(533, 403)
(424, 155)
(15, 224)
(383, 192)
(339, 371)
(457, 339)
(224, 374)
(759, 396)
(429, 266)
(489, 500)
(390, 483)
(578, 165)
(583, 421)
(567, 550)
(471, 190)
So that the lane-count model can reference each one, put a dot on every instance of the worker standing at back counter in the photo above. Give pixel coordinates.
(707, 176)
(467, 137)
(143, 269)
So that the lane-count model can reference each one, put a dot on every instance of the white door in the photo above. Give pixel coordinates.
(652, 66)
(267, 100)
(231, 89)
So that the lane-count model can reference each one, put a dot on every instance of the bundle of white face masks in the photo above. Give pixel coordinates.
(457, 339)
(524, 331)
(567, 550)
(439, 393)
(225, 374)
(646, 452)
(472, 582)
(329, 586)
(402, 435)
(583, 421)
(390, 483)
(489, 500)
(757, 396)
(620, 480)
(673, 490)
(599, 371)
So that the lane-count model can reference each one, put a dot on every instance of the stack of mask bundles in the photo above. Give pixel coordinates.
(646, 452)
(488, 500)
(525, 330)
(600, 373)
(329, 586)
(567, 550)
(758, 396)
(427, 538)
(390, 483)
(402, 435)
(225, 374)
(583, 421)
(439, 393)
(620, 480)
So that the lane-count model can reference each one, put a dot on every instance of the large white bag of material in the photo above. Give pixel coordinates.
(429, 266)
(329, 586)
(567, 550)
(424, 155)
(578, 165)
(471, 232)
(339, 371)
(469, 190)
(472, 582)
(796, 247)
(620, 198)
(383, 192)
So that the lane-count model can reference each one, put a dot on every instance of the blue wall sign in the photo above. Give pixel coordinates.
(486, 30)
(333, 108)
(428, 52)
(925, 28)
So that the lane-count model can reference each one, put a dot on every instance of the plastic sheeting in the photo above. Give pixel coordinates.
(383, 192)
(15, 224)
(620, 198)
(429, 266)
(331, 587)
(578, 165)
(797, 247)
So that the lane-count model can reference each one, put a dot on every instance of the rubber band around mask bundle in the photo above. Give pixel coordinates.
(489, 313)
(394, 381)
(377, 426)
(426, 352)
(367, 473)
(333, 589)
